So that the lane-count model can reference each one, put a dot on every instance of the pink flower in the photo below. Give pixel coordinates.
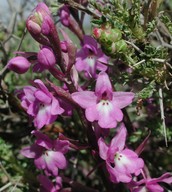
(91, 58)
(19, 64)
(150, 184)
(121, 162)
(48, 186)
(45, 58)
(40, 104)
(48, 154)
(103, 105)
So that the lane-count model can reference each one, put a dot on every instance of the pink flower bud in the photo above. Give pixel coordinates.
(64, 16)
(46, 57)
(40, 21)
(63, 45)
(18, 64)
(42, 7)
(34, 27)
(97, 32)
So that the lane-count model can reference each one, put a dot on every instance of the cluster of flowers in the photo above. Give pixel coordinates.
(44, 102)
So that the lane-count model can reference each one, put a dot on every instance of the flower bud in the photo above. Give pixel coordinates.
(63, 45)
(115, 48)
(110, 36)
(97, 33)
(42, 7)
(40, 21)
(34, 27)
(106, 35)
(19, 64)
(46, 57)
(64, 16)
(121, 46)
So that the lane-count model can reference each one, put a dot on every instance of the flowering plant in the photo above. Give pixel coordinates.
(95, 104)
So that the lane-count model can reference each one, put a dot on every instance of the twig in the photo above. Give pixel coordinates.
(11, 26)
(23, 35)
(3, 50)
(77, 6)
(5, 186)
(133, 45)
(138, 63)
(164, 44)
(3, 70)
(162, 115)
(5, 172)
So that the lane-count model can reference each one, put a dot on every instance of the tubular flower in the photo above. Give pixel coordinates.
(48, 154)
(40, 104)
(103, 105)
(91, 58)
(121, 162)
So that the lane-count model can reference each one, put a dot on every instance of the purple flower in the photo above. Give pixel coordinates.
(103, 105)
(91, 58)
(19, 64)
(150, 184)
(45, 58)
(121, 162)
(48, 186)
(48, 154)
(40, 104)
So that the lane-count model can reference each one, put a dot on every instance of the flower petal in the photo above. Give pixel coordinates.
(43, 140)
(54, 160)
(106, 114)
(154, 187)
(61, 145)
(55, 107)
(116, 176)
(103, 148)
(32, 151)
(46, 184)
(91, 113)
(103, 84)
(40, 162)
(119, 140)
(42, 97)
(85, 99)
(43, 116)
(122, 99)
(42, 87)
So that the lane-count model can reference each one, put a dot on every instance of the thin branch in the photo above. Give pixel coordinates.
(164, 44)
(134, 46)
(5, 172)
(77, 6)
(138, 63)
(23, 35)
(3, 188)
(162, 115)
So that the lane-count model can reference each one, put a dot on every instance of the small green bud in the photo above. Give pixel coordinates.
(109, 36)
(121, 46)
